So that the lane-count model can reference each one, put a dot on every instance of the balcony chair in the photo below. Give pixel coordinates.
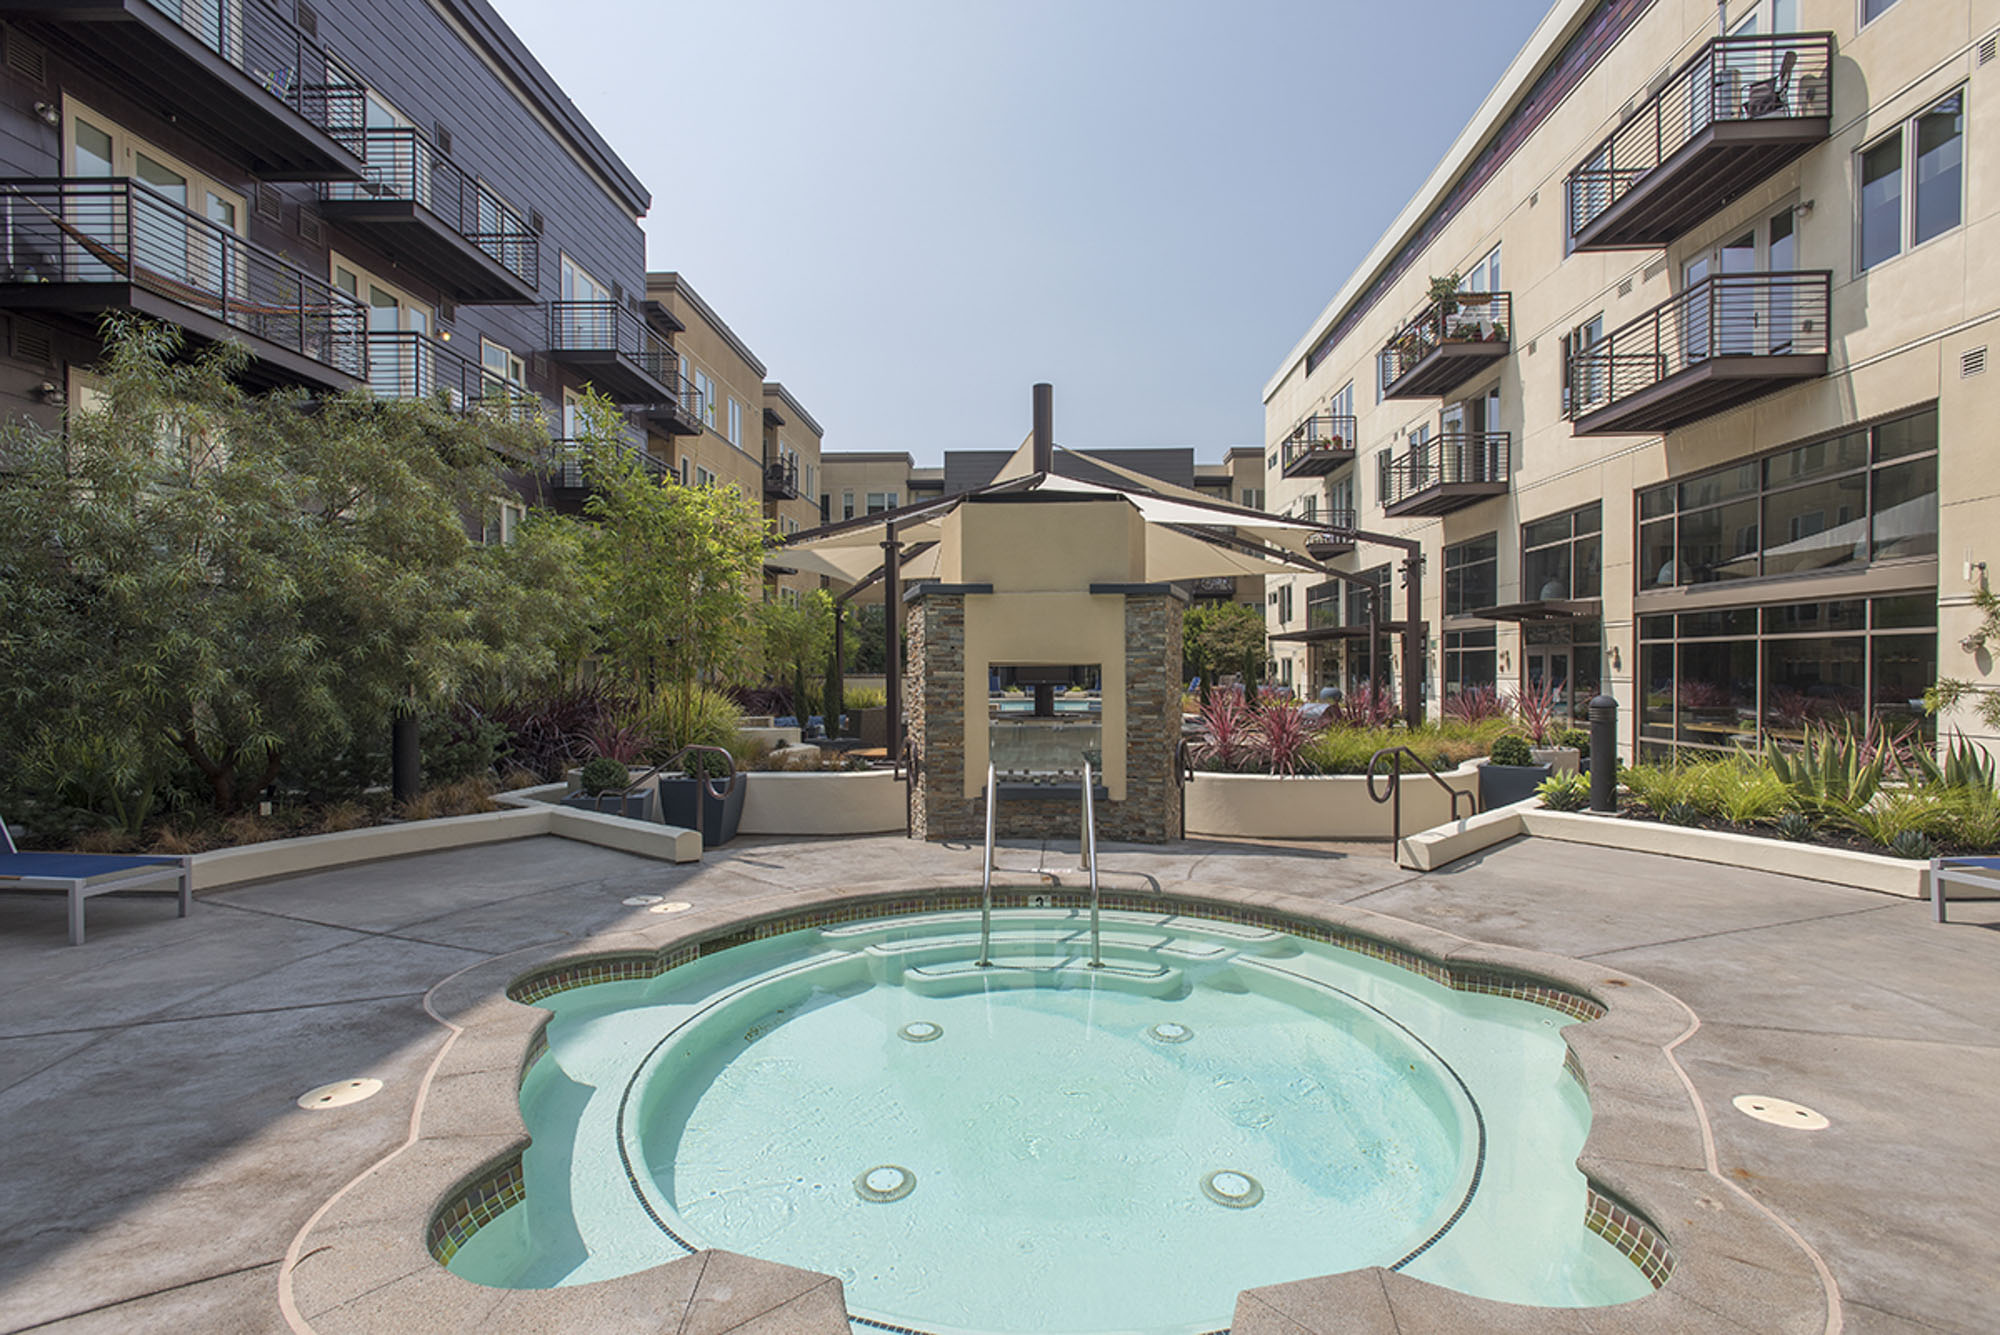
(1766, 97)
(82, 875)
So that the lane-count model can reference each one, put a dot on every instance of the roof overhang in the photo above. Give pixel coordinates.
(1544, 609)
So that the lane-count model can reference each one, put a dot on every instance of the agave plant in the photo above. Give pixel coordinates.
(1833, 774)
(1964, 765)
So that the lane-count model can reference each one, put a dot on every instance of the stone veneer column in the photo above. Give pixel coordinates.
(934, 708)
(1151, 811)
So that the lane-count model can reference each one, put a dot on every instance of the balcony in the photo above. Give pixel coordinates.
(73, 249)
(1336, 539)
(681, 414)
(403, 364)
(1738, 111)
(241, 75)
(1449, 343)
(781, 480)
(565, 470)
(1724, 341)
(1318, 445)
(430, 215)
(614, 348)
(1446, 473)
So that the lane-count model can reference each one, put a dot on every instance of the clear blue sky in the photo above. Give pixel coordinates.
(913, 209)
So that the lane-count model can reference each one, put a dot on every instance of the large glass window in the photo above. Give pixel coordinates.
(1469, 660)
(1562, 557)
(1746, 676)
(1471, 575)
(1913, 182)
(1866, 495)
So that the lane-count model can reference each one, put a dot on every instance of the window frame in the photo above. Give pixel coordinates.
(1905, 135)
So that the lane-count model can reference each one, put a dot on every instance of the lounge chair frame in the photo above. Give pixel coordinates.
(70, 872)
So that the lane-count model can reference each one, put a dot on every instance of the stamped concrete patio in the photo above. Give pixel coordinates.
(156, 1167)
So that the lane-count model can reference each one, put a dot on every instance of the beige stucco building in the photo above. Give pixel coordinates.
(755, 435)
(1679, 432)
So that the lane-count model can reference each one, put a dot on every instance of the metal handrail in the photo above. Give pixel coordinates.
(986, 875)
(707, 781)
(1730, 78)
(1395, 793)
(1435, 326)
(1319, 434)
(261, 42)
(404, 364)
(1090, 863)
(1449, 457)
(405, 164)
(1183, 776)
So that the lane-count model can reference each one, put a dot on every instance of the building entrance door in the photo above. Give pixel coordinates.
(1548, 667)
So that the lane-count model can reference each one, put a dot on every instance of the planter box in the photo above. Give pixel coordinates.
(1559, 759)
(831, 802)
(1333, 806)
(720, 816)
(871, 725)
(1504, 785)
(632, 806)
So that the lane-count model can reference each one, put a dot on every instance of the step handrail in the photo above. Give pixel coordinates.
(707, 780)
(986, 876)
(1183, 768)
(1090, 861)
(1395, 793)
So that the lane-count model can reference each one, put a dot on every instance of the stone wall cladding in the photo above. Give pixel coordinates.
(935, 709)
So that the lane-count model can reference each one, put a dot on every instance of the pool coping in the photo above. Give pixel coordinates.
(369, 1258)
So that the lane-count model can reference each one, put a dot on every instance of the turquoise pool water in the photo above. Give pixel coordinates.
(1040, 1146)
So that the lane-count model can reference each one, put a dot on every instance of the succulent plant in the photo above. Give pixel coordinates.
(1913, 844)
(1681, 813)
(1565, 792)
(1793, 825)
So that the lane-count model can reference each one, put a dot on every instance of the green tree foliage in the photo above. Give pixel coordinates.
(678, 568)
(195, 577)
(1223, 637)
(797, 643)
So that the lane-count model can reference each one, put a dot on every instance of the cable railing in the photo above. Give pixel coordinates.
(116, 230)
(1464, 318)
(1394, 795)
(404, 164)
(404, 364)
(1770, 77)
(1724, 315)
(259, 40)
(1455, 457)
(1321, 435)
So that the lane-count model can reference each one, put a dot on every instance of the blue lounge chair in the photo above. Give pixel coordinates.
(1974, 873)
(85, 874)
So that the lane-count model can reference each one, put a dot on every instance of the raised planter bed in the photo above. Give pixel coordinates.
(830, 802)
(1326, 806)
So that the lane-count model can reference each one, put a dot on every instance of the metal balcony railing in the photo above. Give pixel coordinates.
(403, 364)
(1336, 539)
(404, 164)
(1454, 459)
(608, 329)
(565, 460)
(1467, 327)
(1751, 315)
(112, 230)
(1215, 586)
(1318, 444)
(781, 479)
(261, 41)
(1731, 79)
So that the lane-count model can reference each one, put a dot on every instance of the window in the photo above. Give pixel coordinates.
(1471, 576)
(703, 477)
(878, 501)
(1591, 389)
(1284, 603)
(1866, 495)
(704, 385)
(1875, 9)
(579, 285)
(735, 423)
(504, 371)
(1251, 498)
(1385, 465)
(1562, 557)
(1342, 403)
(1309, 508)
(503, 522)
(847, 505)
(1469, 660)
(1483, 276)
(1912, 182)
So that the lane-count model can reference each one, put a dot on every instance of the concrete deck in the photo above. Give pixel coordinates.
(156, 1168)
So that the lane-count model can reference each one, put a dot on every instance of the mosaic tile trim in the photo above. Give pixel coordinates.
(537, 1049)
(584, 973)
(1638, 1240)
(485, 1200)
(1575, 1069)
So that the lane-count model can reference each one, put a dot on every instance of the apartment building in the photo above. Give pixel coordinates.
(1657, 369)
(382, 193)
(865, 482)
(791, 475)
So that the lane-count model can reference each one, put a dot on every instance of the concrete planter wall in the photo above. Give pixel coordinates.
(862, 802)
(1334, 806)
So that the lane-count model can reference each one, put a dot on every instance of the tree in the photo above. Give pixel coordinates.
(679, 568)
(1223, 637)
(797, 641)
(197, 577)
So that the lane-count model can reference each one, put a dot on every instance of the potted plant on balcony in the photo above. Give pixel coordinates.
(1509, 774)
(602, 787)
(1444, 293)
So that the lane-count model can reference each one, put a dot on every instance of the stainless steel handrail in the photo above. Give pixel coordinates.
(1090, 862)
(1395, 793)
(986, 876)
(707, 780)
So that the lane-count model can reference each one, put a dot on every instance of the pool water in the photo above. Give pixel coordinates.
(1042, 1146)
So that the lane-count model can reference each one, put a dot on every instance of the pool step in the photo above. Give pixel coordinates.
(955, 976)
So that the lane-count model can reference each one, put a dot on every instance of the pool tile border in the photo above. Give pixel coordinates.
(1623, 1006)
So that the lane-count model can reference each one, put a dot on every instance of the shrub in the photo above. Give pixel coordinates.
(1475, 704)
(460, 743)
(1565, 792)
(1833, 775)
(1740, 789)
(1368, 706)
(1281, 736)
(1575, 737)
(623, 740)
(549, 731)
(772, 700)
(605, 775)
(1535, 709)
(1226, 726)
(711, 720)
(874, 697)
(1510, 748)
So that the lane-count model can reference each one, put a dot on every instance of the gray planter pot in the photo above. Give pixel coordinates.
(1503, 785)
(719, 815)
(632, 806)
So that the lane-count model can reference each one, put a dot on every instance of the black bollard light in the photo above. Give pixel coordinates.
(1603, 754)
